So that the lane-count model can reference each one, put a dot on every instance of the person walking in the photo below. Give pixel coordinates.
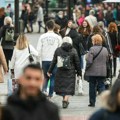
(61, 19)
(92, 20)
(31, 19)
(29, 103)
(77, 38)
(25, 18)
(96, 66)
(3, 65)
(21, 54)
(85, 31)
(107, 41)
(109, 16)
(74, 35)
(40, 18)
(7, 38)
(111, 106)
(96, 30)
(46, 47)
(68, 64)
(115, 40)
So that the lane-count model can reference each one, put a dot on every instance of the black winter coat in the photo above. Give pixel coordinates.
(77, 40)
(6, 45)
(61, 21)
(115, 39)
(33, 109)
(65, 79)
(105, 115)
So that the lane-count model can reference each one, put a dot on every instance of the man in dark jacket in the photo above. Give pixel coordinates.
(24, 17)
(61, 20)
(29, 103)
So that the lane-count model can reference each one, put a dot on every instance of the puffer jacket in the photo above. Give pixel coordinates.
(65, 79)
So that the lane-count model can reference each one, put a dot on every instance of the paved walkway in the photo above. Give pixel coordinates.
(78, 108)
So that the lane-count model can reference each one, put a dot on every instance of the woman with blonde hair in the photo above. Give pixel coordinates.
(96, 66)
(7, 38)
(21, 54)
(115, 40)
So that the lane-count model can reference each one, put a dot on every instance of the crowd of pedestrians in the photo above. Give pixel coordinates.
(86, 46)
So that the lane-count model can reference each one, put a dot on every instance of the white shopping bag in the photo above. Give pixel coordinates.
(79, 86)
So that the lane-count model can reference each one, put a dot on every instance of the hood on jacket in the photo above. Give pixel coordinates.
(29, 103)
(66, 47)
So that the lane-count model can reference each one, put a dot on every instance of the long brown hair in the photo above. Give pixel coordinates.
(112, 27)
(88, 29)
(97, 30)
(22, 42)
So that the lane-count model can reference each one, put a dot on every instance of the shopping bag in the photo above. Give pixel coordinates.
(79, 86)
(10, 89)
(12, 83)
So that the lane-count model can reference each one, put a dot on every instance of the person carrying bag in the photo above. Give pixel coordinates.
(96, 68)
(86, 78)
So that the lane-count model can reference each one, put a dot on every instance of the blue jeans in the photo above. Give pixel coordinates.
(45, 66)
(95, 82)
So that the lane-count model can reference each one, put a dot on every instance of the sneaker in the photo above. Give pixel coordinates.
(91, 105)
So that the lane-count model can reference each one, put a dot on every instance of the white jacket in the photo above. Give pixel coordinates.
(40, 14)
(20, 59)
(47, 45)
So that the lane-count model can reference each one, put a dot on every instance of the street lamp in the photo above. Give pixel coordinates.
(16, 2)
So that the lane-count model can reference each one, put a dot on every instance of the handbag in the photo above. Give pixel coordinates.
(79, 86)
(86, 78)
(31, 59)
(117, 47)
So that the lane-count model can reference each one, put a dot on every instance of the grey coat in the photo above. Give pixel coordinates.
(98, 66)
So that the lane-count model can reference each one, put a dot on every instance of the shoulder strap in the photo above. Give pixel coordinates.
(29, 49)
(97, 54)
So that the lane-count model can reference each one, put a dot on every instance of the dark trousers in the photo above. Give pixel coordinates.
(26, 26)
(31, 25)
(114, 64)
(45, 66)
(8, 54)
(95, 82)
(39, 26)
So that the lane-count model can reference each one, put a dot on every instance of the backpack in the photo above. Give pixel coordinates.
(9, 34)
(64, 62)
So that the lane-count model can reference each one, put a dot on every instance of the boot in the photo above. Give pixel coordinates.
(65, 104)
